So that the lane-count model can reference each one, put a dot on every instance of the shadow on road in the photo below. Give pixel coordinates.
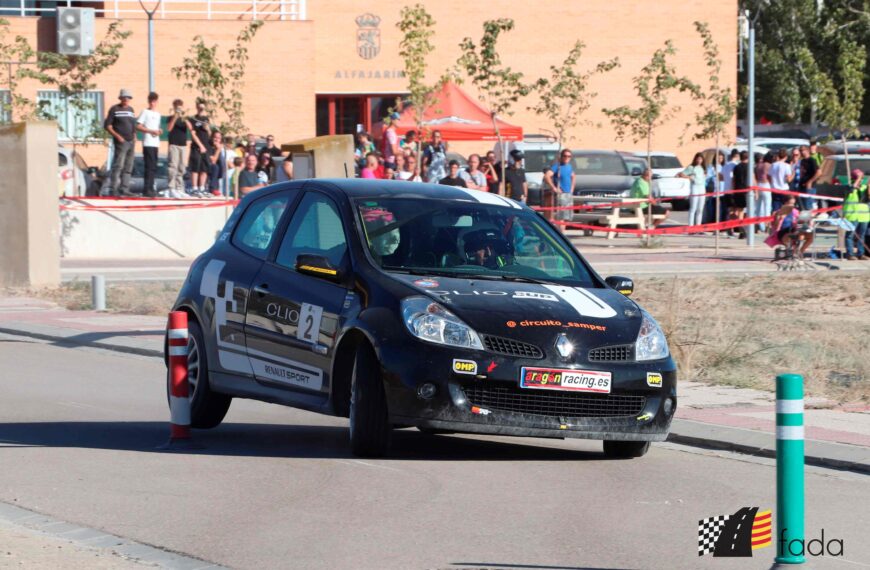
(276, 440)
(496, 566)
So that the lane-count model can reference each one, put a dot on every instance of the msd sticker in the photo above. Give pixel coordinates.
(654, 379)
(426, 283)
(464, 366)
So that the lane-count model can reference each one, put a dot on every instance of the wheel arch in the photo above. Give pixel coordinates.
(342, 368)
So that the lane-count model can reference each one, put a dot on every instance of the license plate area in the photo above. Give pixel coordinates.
(592, 381)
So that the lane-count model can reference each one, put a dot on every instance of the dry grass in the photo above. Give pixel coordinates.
(739, 331)
(743, 331)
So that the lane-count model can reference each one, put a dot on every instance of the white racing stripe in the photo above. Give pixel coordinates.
(487, 198)
(179, 410)
(789, 406)
(585, 303)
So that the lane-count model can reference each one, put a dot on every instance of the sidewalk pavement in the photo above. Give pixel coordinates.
(718, 417)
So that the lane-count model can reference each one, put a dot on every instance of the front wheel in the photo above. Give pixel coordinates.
(625, 449)
(369, 420)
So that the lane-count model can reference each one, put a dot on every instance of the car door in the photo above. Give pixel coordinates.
(293, 317)
(227, 277)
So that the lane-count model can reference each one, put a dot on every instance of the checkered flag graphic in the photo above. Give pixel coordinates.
(709, 530)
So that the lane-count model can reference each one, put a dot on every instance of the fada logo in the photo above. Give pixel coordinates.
(735, 535)
(368, 36)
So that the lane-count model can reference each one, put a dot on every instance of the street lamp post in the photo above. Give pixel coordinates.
(150, 14)
(750, 124)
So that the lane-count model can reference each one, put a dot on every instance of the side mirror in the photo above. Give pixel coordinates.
(622, 284)
(636, 171)
(318, 266)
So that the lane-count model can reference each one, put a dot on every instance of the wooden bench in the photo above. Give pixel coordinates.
(611, 217)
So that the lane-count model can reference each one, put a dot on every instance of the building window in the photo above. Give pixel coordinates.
(5, 106)
(74, 121)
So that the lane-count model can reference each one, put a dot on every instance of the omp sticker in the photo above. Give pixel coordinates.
(654, 379)
(585, 303)
(309, 322)
(464, 366)
(535, 295)
(295, 374)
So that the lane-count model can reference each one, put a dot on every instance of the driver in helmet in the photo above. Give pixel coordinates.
(486, 248)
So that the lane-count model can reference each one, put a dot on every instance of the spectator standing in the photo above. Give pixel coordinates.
(560, 180)
(238, 166)
(473, 176)
(714, 186)
(809, 173)
(410, 171)
(248, 178)
(741, 182)
(178, 127)
(264, 166)
(390, 142)
(121, 124)
(815, 154)
(287, 166)
(856, 210)
(270, 146)
(781, 175)
(726, 176)
(199, 150)
(516, 185)
(488, 168)
(763, 201)
(453, 178)
(218, 163)
(361, 150)
(640, 190)
(696, 173)
(410, 143)
(435, 159)
(149, 125)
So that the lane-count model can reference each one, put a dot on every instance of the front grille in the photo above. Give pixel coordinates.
(552, 402)
(510, 347)
(620, 353)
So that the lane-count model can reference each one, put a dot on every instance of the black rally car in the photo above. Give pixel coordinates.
(407, 304)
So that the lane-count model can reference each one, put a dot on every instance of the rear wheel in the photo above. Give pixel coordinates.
(369, 420)
(625, 449)
(207, 408)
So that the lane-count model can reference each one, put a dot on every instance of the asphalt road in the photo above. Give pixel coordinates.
(277, 488)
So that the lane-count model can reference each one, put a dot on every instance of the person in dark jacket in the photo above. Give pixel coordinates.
(737, 209)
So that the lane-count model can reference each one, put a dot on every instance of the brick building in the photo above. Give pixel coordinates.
(324, 66)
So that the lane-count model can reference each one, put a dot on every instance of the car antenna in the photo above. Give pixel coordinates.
(345, 171)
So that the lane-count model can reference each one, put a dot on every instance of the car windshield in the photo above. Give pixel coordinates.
(862, 164)
(460, 239)
(538, 160)
(598, 163)
(665, 162)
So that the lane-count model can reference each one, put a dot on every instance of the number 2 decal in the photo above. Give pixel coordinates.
(309, 322)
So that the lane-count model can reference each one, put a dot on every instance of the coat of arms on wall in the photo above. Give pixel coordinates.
(368, 36)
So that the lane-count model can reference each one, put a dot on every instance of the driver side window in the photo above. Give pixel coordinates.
(315, 229)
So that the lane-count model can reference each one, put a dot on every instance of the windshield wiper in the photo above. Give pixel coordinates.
(521, 279)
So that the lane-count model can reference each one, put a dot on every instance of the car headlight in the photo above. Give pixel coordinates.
(651, 343)
(429, 321)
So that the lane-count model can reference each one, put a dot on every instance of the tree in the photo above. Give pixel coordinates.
(498, 87)
(218, 84)
(416, 25)
(565, 95)
(717, 106)
(843, 93)
(653, 86)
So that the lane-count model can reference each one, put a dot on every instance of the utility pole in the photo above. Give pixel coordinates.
(750, 124)
(150, 14)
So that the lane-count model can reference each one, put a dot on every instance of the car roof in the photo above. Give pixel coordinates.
(593, 151)
(367, 188)
(852, 156)
(642, 154)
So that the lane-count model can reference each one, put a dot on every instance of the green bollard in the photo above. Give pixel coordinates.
(789, 466)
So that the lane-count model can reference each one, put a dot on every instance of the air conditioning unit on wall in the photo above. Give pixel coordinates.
(75, 31)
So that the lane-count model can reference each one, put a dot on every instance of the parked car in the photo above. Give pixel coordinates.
(853, 147)
(602, 173)
(709, 153)
(71, 177)
(665, 184)
(775, 144)
(834, 168)
(541, 151)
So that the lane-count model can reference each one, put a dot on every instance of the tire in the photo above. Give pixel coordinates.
(207, 408)
(369, 421)
(625, 449)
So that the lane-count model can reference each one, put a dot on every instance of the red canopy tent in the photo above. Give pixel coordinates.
(459, 117)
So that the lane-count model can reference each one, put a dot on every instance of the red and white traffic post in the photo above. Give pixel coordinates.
(179, 390)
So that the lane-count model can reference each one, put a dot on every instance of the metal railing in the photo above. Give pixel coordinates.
(168, 9)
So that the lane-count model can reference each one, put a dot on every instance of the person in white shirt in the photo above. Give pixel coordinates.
(781, 175)
(149, 124)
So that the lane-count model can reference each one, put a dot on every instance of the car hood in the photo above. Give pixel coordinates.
(535, 313)
(603, 182)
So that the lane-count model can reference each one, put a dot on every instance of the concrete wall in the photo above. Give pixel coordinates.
(144, 234)
(29, 245)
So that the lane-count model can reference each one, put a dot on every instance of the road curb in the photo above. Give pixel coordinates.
(763, 444)
(76, 340)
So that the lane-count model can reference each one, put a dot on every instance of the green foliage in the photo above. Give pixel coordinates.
(415, 47)
(653, 86)
(565, 95)
(843, 88)
(218, 83)
(72, 76)
(717, 106)
(499, 87)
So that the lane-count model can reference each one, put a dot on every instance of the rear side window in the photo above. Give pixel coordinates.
(665, 162)
(256, 228)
